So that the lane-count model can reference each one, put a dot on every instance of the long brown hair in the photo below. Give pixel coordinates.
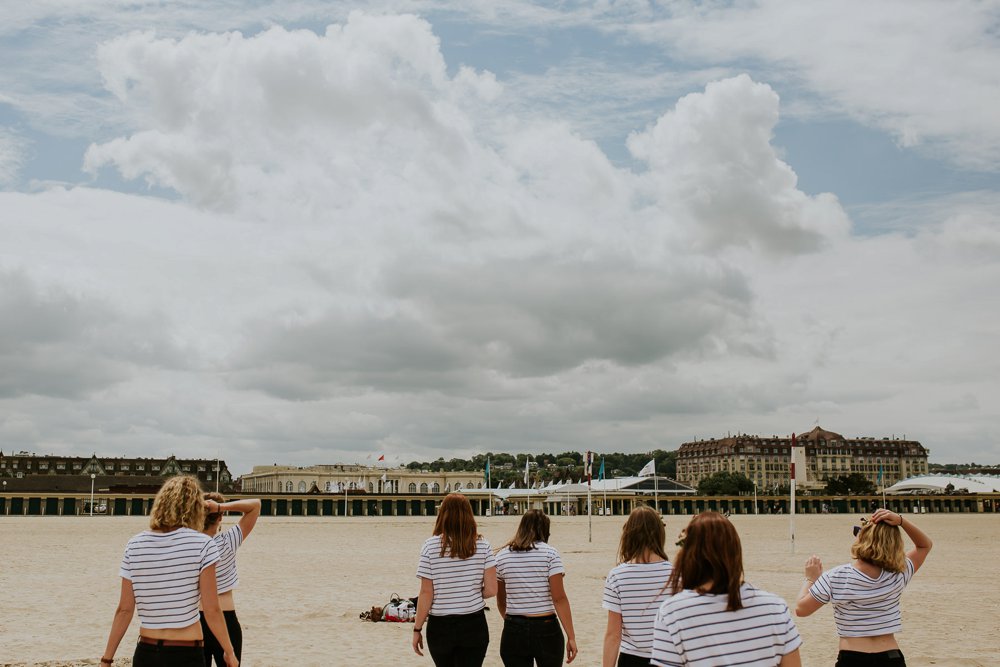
(457, 527)
(881, 545)
(212, 517)
(642, 533)
(178, 504)
(711, 556)
(534, 527)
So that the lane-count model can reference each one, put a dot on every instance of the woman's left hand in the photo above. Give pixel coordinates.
(570, 650)
(887, 516)
(418, 642)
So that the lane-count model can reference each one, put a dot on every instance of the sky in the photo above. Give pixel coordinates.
(305, 232)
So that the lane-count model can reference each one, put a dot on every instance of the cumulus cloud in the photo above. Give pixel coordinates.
(372, 250)
(712, 158)
(922, 70)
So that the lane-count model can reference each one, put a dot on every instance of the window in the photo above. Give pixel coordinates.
(140, 467)
(458, 485)
(124, 466)
(413, 487)
(201, 468)
(423, 488)
(288, 487)
(186, 468)
(77, 466)
(371, 487)
(302, 487)
(436, 488)
(154, 468)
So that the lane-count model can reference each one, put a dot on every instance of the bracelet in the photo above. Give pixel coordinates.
(810, 581)
(418, 629)
(107, 661)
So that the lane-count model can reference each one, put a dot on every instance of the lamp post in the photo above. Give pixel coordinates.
(755, 510)
(6, 507)
(92, 476)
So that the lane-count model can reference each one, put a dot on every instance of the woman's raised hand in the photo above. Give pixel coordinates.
(814, 568)
(887, 516)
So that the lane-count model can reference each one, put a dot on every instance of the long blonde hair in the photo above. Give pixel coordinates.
(178, 504)
(881, 545)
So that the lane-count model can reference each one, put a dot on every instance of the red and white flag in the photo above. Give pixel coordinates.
(382, 458)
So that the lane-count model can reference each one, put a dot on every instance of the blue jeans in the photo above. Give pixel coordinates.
(532, 640)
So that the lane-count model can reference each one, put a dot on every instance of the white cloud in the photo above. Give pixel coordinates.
(13, 154)
(374, 250)
(925, 71)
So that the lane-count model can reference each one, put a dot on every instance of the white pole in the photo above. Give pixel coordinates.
(792, 522)
(489, 489)
(656, 489)
(92, 476)
(755, 510)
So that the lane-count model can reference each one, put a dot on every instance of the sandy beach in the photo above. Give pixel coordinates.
(305, 580)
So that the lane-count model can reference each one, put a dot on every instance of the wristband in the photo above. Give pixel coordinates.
(418, 629)
(107, 661)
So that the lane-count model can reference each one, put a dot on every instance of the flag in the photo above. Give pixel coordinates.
(880, 474)
(382, 458)
(648, 469)
(486, 473)
(600, 473)
(525, 470)
(512, 484)
(589, 464)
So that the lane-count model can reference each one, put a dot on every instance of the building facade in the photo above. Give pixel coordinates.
(34, 470)
(766, 460)
(355, 478)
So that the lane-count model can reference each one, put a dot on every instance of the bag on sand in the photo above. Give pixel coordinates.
(397, 610)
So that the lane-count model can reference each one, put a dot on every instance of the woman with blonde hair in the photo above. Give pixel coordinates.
(713, 617)
(865, 593)
(531, 598)
(457, 571)
(228, 542)
(165, 572)
(635, 589)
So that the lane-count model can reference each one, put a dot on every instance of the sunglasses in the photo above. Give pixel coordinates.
(858, 529)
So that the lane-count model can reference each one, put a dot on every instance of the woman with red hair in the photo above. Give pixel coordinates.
(457, 571)
(713, 617)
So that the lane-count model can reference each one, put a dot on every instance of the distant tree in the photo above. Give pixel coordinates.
(855, 484)
(950, 488)
(725, 484)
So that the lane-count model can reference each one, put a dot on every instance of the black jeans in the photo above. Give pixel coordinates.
(149, 655)
(213, 649)
(531, 640)
(629, 660)
(459, 640)
(893, 658)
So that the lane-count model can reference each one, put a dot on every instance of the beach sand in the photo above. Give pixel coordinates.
(303, 582)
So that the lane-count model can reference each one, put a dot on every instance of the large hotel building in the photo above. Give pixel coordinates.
(338, 478)
(766, 460)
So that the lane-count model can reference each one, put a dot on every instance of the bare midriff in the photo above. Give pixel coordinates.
(227, 602)
(875, 644)
(192, 631)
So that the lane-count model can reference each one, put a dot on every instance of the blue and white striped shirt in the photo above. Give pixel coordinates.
(525, 575)
(695, 630)
(636, 591)
(165, 569)
(862, 606)
(225, 572)
(458, 582)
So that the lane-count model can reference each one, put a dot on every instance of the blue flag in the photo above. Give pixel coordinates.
(486, 473)
(880, 473)
(600, 473)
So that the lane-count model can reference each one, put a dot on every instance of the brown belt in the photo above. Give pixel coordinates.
(171, 642)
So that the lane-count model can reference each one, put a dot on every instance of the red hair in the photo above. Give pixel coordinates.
(711, 560)
(457, 527)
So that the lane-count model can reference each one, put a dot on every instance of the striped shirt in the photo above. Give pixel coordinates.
(525, 575)
(164, 569)
(458, 583)
(636, 591)
(696, 630)
(225, 572)
(862, 606)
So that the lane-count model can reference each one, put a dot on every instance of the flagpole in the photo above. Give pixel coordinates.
(791, 525)
(604, 479)
(489, 489)
(656, 487)
(590, 519)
